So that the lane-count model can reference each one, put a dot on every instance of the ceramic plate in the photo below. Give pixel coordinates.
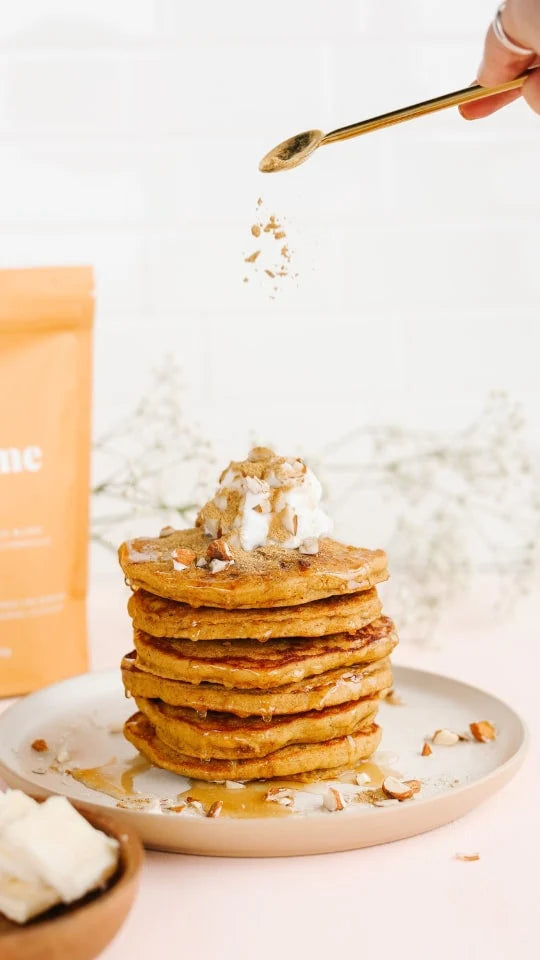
(81, 720)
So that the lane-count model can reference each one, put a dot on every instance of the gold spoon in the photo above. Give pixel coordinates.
(294, 151)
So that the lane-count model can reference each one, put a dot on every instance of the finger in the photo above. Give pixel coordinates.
(478, 109)
(498, 63)
(531, 91)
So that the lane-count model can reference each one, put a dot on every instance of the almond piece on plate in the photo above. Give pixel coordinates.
(393, 698)
(445, 738)
(333, 800)
(483, 731)
(40, 746)
(467, 857)
(215, 809)
(426, 749)
(397, 789)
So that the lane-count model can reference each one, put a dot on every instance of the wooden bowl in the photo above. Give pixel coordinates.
(83, 929)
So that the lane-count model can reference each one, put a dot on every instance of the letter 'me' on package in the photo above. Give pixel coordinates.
(45, 367)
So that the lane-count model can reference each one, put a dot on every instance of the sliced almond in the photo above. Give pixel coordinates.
(280, 795)
(393, 698)
(234, 785)
(201, 562)
(166, 531)
(483, 731)
(333, 800)
(309, 546)
(445, 738)
(216, 566)
(219, 550)
(184, 556)
(362, 778)
(467, 857)
(40, 746)
(397, 789)
(215, 809)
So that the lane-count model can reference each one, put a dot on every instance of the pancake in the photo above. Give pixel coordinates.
(314, 693)
(270, 576)
(289, 761)
(222, 736)
(169, 618)
(247, 664)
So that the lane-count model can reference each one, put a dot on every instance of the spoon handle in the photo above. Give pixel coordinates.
(476, 92)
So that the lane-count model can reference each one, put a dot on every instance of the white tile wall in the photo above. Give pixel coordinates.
(129, 137)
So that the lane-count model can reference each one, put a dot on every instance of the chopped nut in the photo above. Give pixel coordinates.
(333, 800)
(467, 857)
(219, 550)
(397, 789)
(215, 809)
(389, 802)
(184, 556)
(252, 257)
(445, 738)
(166, 531)
(362, 778)
(270, 273)
(279, 235)
(40, 746)
(483, 731)
(280, 795)
(426, 749)
(201, 562)
(393, 698)
(176, 809)
(310, 546)
(216, 566)
(234, 785)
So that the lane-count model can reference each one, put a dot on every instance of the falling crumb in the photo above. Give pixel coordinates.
(467, 857)
(270, 265)
(40, 746)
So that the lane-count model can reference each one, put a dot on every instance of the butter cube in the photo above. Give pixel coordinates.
(66, 852)
(14, 804)
(20, 901)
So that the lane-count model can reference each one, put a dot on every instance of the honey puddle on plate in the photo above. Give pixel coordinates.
(117, 779)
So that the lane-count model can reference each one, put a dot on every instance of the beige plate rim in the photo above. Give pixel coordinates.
(314, 833)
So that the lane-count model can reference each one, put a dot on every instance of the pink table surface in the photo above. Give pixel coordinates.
(406, 899)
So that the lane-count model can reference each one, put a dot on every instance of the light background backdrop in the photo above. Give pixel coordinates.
(130, 134)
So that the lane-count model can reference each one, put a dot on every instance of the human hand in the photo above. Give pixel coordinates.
(521, 22)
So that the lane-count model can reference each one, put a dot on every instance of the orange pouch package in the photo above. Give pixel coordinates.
(45, 356)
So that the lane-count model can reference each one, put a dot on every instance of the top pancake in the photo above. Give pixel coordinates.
(269, 576)
(168, 618)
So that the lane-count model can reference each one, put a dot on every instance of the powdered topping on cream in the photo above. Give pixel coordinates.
(267, 499)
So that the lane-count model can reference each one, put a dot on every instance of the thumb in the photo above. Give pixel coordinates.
(498, 65)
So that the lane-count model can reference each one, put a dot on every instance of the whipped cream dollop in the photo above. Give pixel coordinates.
(267, 499)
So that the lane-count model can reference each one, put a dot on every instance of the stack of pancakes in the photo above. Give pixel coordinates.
(269, 664)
